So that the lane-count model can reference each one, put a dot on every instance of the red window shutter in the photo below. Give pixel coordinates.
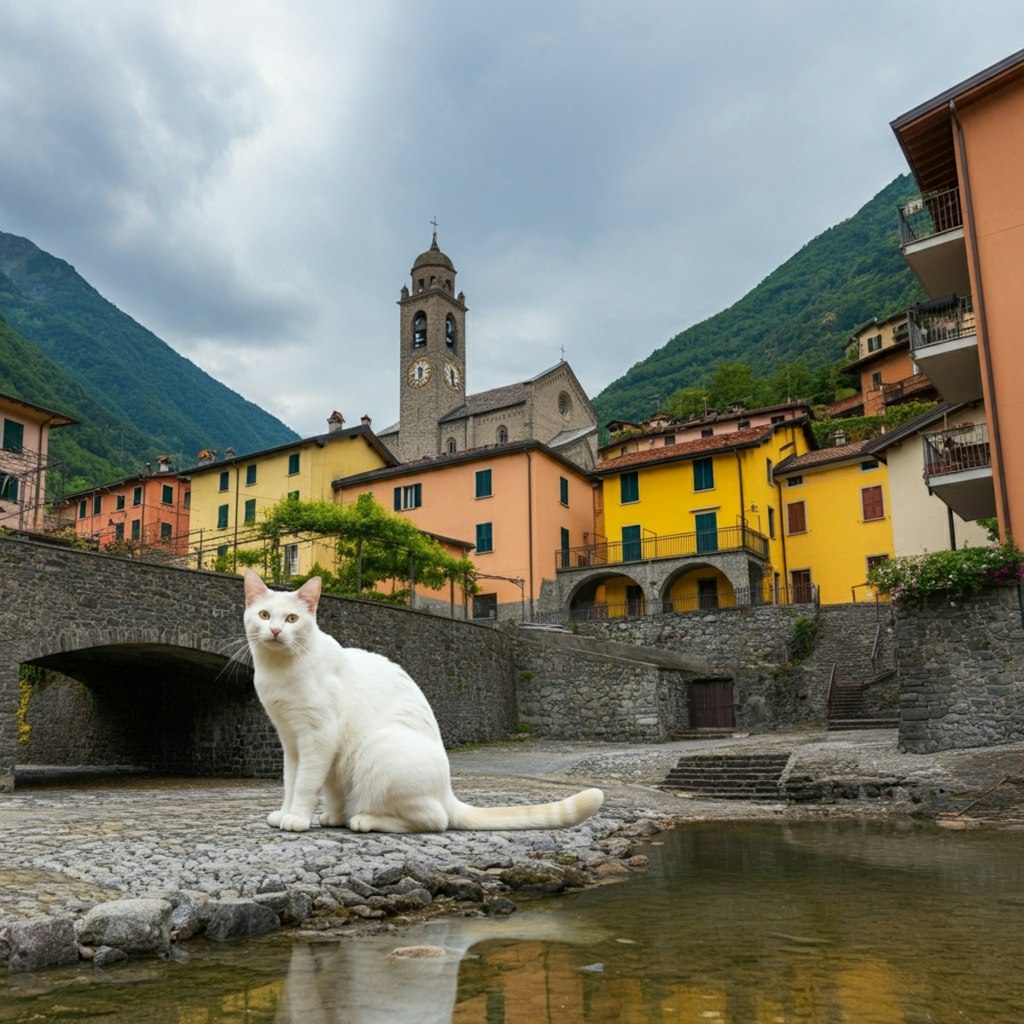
(796, 517)
(871, 500)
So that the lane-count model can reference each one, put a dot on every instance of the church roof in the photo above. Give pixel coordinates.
(433, 257)
(487, 401)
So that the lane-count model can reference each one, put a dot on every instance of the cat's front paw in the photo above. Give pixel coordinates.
(328, 820)
(274, 819)
(294, 823)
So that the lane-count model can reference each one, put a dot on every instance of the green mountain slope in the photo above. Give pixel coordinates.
(806, 309)
(136, 377)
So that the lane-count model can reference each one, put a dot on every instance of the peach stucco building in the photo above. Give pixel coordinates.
(964, 239)
(519, 506)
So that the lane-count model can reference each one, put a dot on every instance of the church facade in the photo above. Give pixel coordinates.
(437, 418)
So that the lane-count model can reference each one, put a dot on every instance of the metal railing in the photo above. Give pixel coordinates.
(906, 388)
(953, 451)
(930, 214)
(944, 319)
(676, 545)
(742, 597)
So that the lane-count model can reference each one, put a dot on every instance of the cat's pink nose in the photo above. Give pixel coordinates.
(276, 631)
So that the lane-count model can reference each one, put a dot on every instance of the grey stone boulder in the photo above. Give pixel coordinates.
(237, 917)
(292, 907)
(46, 942)
(137, 926)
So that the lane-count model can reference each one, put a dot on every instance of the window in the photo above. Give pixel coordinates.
(449, 332)
(632, 546)
(136, 497)
(250, 511)
(876, 380)
(291, 559)
(707, 432)
(563, 491)
(485, 606)
(779, 419)
(410, 496)
(165, 533)
(564, 404)
(502, 435)
(136, 529)
(224, 479)
(669, 439)
(167, 494)
(874, 561)
(484, 538)
(186, 502)
(83, 509)
(875, 343)
(743, 424)
(250, 475)
(451, 446)
(97, 504)
(871, 501)
(293, 463)
(869, 465)
(771, 522)
(119, 503)
(707, 532)
(222, 517)
(703, 474)
(118, 531)
(796, 517)
(483, 483)
(794, 481)
(9, 488)
(222, 550)
(293, 495)
(629, 488)
(768, 471)
(419, 328)
(564, 547)
(14, 436)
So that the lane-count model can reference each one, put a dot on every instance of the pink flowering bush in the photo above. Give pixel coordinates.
(955, 574)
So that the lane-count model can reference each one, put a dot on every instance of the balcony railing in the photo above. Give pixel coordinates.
(957, 450)
(930, 214)
(901, 390)
(945, 319)
(676, 545)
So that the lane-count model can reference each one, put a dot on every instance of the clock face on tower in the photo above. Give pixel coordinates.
(452, 377)
(419, 373)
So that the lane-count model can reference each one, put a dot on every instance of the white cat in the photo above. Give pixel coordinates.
(355, 725)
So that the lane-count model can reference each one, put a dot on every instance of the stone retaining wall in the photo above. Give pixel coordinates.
(961, 671)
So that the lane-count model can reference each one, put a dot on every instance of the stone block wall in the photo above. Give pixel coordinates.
(961, 672)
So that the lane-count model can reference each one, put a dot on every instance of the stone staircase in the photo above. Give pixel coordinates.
(847, 710)
(728, 776)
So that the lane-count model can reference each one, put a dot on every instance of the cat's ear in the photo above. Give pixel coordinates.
(254, 586)
(309, 592)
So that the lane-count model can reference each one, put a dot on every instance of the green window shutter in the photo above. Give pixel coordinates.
(483, 483)
(398, 499)
(631, 545)
(703, 474)
(629, 487)
(484, 537)
(14, 436)
(222, 517)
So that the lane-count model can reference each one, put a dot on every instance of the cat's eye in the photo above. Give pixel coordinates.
(292, 617)
(264, 614)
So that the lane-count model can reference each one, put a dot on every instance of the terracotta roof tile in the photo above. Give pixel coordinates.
(687, 449)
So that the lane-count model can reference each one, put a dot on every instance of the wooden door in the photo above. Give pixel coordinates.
(711, 705)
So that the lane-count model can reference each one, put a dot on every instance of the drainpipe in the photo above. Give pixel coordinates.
(979, 307)
(782, 535)
(529, 524)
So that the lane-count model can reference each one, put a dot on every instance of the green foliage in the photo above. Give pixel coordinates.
(805, 311)
(380, 556)
(860, 428)
(801, 642)
(956, 574)
(67, 348)
(30, 678)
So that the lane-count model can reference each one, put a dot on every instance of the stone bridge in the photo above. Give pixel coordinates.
(146, 677)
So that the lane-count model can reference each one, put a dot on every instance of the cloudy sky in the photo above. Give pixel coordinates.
(252, 179)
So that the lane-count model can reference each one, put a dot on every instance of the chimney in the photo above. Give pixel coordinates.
(365, 419)
(229, 453)
(163, 464)
(206, 456)
(840, 438)
(335, 422)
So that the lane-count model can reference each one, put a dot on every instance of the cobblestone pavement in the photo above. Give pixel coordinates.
(68, 841)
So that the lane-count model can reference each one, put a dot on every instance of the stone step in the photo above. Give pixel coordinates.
(863, 722)
(728, 777)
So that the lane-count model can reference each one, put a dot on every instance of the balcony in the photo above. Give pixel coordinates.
(918, 386)
(932, 241)
(677, 545)
(958, 470)
(944, 343)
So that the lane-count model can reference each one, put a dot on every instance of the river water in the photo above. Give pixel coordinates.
(866, 922)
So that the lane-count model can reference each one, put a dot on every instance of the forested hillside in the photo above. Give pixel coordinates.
(805, 310)
(160, 402)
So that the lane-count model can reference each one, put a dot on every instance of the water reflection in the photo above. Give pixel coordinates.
(845, 922)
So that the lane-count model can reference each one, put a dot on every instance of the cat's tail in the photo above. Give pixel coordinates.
(570, 811)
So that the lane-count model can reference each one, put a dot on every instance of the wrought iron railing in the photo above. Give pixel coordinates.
(675, 545)
(742, 597)
(930, 214)
(953, 451)
(944, 319)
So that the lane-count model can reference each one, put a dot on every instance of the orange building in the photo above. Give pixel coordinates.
(150, 511)
(518, 506)
(963, 237)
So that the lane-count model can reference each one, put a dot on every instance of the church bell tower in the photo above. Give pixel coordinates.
(432, 364)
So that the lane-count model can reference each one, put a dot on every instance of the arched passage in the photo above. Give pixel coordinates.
(607, 595)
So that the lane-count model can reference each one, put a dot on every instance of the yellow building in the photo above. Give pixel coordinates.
(229, 493)
(688, 526)
(836, 518)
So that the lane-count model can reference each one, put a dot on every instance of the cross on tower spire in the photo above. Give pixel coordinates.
(434, 222)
